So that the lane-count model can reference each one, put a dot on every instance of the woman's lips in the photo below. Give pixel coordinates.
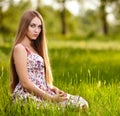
(35, 35)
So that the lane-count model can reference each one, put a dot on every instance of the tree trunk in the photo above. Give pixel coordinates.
(63, 18)
(103, 17)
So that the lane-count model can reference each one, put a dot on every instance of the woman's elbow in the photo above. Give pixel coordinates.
(25, 84)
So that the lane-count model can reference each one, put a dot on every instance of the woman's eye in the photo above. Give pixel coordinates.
(32, 25)
(40, 26)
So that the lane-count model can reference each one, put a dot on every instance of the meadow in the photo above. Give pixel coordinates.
(90, 69)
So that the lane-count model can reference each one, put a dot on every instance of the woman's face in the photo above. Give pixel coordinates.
(34, 28)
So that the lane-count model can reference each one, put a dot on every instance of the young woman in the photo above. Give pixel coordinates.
(31, 75)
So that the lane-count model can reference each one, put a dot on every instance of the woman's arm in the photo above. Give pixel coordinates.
(20, 60)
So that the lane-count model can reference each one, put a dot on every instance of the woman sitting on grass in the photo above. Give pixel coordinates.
(30, 68)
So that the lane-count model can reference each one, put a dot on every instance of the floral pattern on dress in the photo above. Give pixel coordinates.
(36, 73)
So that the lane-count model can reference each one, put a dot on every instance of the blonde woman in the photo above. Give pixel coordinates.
(31, 75)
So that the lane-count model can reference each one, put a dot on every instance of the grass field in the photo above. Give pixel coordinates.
(79, 68)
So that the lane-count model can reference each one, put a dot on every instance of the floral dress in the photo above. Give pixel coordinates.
(36, 73)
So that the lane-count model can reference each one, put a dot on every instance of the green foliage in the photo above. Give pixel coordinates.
(51, 19)
(10, 19)
(87, 26)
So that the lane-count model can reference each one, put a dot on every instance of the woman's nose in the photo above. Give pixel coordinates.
(37, 29)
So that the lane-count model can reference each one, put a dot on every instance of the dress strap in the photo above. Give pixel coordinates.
(27, 49)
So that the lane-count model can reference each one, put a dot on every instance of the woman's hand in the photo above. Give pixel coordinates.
(59, 92)
(59, 98)
(59, 95)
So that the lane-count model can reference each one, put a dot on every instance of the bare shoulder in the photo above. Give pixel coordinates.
(19, 49)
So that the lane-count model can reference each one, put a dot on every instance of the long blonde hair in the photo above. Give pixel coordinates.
(39, 44)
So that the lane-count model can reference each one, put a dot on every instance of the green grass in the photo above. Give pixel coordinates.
(91, 73)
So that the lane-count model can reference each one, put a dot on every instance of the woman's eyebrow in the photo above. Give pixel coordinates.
(35, 24)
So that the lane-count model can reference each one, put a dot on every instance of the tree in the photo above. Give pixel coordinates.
(104, 4)
(103, 16)
(39, 7)
(63, 15)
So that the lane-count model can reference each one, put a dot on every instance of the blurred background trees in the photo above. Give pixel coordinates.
(103, 18)
(10, 13)
(104, 4)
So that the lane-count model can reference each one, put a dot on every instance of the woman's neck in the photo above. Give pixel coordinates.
(27, 42)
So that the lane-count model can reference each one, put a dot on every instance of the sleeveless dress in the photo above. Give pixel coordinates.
(36, 73)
